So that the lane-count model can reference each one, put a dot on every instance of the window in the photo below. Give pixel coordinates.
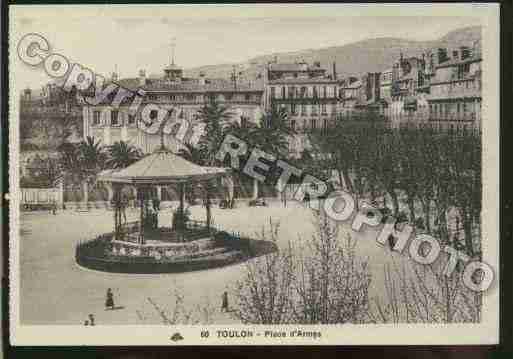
(293, 124)
(172, 97)
(304, 92)
(325, 124)
(243, 121)
(313, 123)
(292, 90)
(273, 92)
(315, 92)
(114, 118)
(283, 92)
(303, 109)
(323, 109)
(131, 119)
(293, 109)
(96, 117)
(314, 110)
(190, 97)
(324, 92)
(247, 97)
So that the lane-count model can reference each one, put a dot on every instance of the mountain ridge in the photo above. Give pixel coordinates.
(356, 58)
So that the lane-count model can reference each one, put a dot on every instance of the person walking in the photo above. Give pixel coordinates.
(109, 302)
(91, 319)
(224, 304)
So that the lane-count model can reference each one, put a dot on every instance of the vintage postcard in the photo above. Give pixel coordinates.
(254, 174)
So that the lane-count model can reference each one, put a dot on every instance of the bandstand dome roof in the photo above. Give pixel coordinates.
(160, 168)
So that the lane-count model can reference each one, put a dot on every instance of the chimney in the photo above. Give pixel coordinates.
(202, 78)
(334, 70)
(142, 77)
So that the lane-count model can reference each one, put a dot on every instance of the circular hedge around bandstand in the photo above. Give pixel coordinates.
(226, 249)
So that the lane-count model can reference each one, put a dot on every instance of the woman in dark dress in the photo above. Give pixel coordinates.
(109, 303)
(224, 302)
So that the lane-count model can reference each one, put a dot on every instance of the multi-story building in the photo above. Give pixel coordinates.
(370, 102)
(410, 85)
(385, 90)
(172, 91)
(309, 95)
(455, 96)
(350, 92)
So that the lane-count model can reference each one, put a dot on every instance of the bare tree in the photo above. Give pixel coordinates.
(332, 284)
(264, 294)
(425, 296)
(321, 282)
(180, 314)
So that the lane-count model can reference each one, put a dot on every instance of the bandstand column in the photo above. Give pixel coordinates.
(115, 192)
(159, 193)
(207, 205)
(141, 192)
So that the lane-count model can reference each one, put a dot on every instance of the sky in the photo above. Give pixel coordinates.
(131, 38)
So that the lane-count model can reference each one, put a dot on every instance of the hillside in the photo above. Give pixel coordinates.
(370, 55)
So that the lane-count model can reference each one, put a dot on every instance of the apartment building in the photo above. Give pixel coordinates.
(455, 96)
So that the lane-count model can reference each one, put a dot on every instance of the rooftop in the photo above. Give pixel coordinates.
(162, 167)
(193, 85)
(456, 62)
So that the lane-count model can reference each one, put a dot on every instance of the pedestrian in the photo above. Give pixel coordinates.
(86, 322)
(224, 305)
(109, 302)
(91, 319)
(54, 208)
(391, 241)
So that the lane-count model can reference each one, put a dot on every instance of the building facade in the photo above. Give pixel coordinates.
(173, 92)
(455, 96)
(307, 93)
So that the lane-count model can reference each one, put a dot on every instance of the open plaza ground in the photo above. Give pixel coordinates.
(55, 290)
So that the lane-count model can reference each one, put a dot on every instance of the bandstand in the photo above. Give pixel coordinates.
(169, 242)
(167, 170)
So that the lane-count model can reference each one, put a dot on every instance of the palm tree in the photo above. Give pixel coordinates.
(215, 117)
(92, 155)
(271, 136)
(276, 118)
(122, 154)
(192, 154)
(92, 159)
